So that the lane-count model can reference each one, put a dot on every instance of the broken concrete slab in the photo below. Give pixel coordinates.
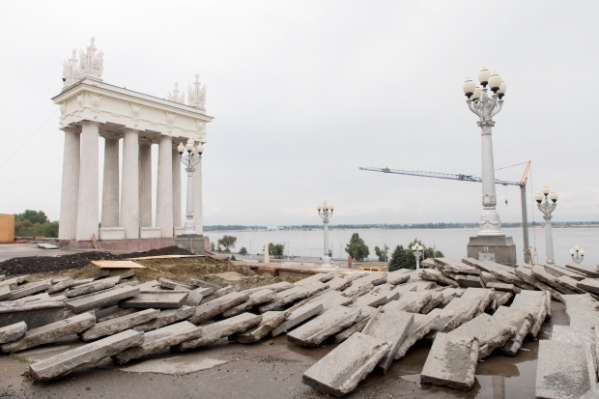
(101, 300)
(558, 271)
(51, 332)
(61, 285)
(14, 281)
(167, 317)
(582, 302)
(314, 332)
(65, 362)
(194, 298)
(451, 362)
(255, 299)
(4, 292)
(119, 324)
(491, 333)
(340, 371)
(360, 285)
(410, 302)
(270, 320)
(339, 283)
(320, 277)
(12, 332)
(329, 299)
(213, 332)
(276, 287)
(564, 370)
(161, 339)
(592, 393)
(540, 274)
(376, 298)
(526, 275)
(297, 316)
(585, 270)
(397, 277)
(584, 319)
(455, 266)
(201, 283)
(504, 287)
(422, 325)
(111, 312)
(29, 289)
(34, 314)
(437, 299)
(90, 288)
(358, 326)
(437, 276)
(173, 284)
(220, 293)
(483, 295)
(501, 298)
(155, 300)
(521, 320)
(590, 285)
(533, 302)
(285, 298)
(206, 311)
(571, 284)
(357, 290)
(466, 281)
(149, 286)
(391, 327)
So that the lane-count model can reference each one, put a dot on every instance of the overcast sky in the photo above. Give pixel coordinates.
(305, 92)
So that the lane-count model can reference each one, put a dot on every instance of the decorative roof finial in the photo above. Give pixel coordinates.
(196, 96)
(176, 95)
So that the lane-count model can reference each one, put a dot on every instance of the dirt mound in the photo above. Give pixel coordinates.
(46, 264)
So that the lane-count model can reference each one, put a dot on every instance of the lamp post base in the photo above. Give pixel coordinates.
(498, 249)
(194, 243)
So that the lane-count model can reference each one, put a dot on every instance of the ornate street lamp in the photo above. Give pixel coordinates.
(485, 108)
(190, 160)
(547, 202)
(325, 211)
(418, 251)
(577, 254)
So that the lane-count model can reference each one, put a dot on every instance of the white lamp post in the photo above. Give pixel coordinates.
(577, 254)
(547, 202)
(325, 211)
(190, 160)
(485, 108)
(417, 250)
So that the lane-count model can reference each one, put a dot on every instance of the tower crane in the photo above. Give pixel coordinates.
(475, 179)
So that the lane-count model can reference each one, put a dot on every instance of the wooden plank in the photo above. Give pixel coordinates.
(117, 264)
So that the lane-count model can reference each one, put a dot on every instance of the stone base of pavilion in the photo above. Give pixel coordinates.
(194, 243)
(131, 245)
(498, 249)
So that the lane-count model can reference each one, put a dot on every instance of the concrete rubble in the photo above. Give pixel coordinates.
(467, 309)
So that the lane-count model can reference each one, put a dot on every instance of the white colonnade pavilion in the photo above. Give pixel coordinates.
(92, 109)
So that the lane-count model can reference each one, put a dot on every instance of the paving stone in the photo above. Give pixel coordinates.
(397, 277)
(582, 269)
(451, 362)
(589, 284)
(51, 332)
(521, 320)
(558, 271)
(436, 276)
(340, 371)
(534, 303)
(213, 332)
(29, 289)
(34, 314)
(208, 310)
(161, 339)
(421, 326)
(410, 302)
(491, 333)
(466, 281)
(564, 370)
(102, 299)
(526, 275)
(298, 315)
(391, 327)
(255, 299)
(12, 332)
(314, 332)
(90, 288)
(167, 317)
(320, 277)
(358, 326)
(270, 321)
(91, 353)
(119, 324)
(61, 285)
(155, 300)
(194, 298)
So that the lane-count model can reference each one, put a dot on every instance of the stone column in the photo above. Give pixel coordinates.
(177, 219)
(110, 190)
(164, 191)
(145, 184)
(130, 188)
(70, 185)
(87, 200)
(198, 216)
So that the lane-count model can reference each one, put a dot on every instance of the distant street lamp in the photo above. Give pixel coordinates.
(485, 108)
(190, 160)
(577, 254)
(417, 250)
(325, 211)
(547, 202)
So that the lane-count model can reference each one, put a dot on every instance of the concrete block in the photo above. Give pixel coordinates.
(82, 281)
(167, 317)
(34, 314)
(119, 324)
(161, 339)
(155, 300)
(12, 332)
(297, 316)
(420, 327)
(149, 286)
(376, 298)
(270, 321)
(51, 332)
(340, 371)
(213, 332)
(374, 278)
(91, 353)
(391, 327)
(582, 302)
(102, 299)
(451, 362)
(501, 298)
(491, 333)
(255, 299)
(564, 370)
(339, 283)
(208, 310)
(90, 288)
(29, 289)
(320, 328)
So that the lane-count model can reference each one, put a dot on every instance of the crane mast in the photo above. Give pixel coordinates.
(475, 179)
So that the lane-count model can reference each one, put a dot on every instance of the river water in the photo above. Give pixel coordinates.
(452, 242)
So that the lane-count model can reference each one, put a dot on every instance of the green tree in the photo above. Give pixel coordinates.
(212, 247)
(228, 242)
(243, 251)
(397, 258)
(276, 250)
(50, 229)
(356, 247)
(34, 223)
(33, 216)
(382, 253)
